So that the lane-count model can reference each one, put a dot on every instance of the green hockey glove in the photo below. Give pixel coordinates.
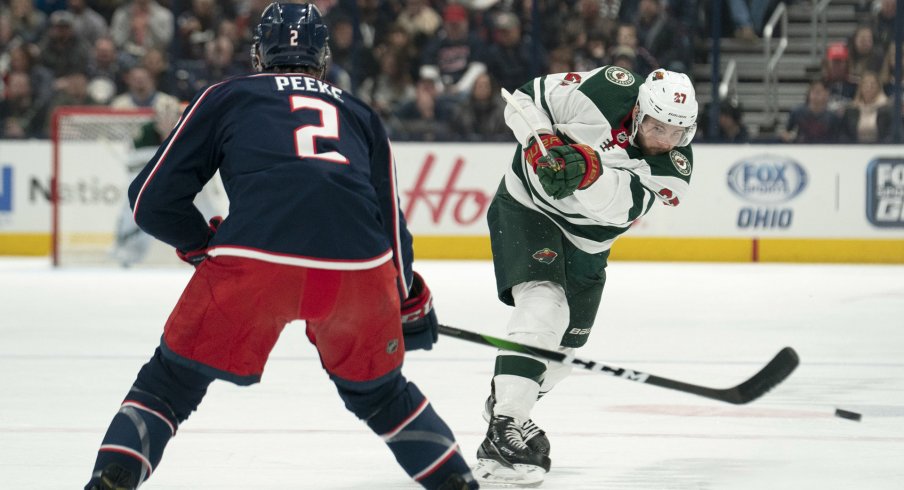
(573, 167)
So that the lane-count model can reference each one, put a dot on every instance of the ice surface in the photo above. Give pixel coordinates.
(71, 342)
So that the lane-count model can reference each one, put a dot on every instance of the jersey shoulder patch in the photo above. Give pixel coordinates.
(613, 90)
(676, 163)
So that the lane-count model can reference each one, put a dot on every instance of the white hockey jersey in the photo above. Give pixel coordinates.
(594, 108)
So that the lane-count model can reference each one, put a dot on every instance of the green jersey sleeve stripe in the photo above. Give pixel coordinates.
(638, 195)
(543, 102)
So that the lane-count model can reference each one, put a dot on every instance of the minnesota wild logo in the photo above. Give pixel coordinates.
(682, 164)
(545, 256)
(619, 76)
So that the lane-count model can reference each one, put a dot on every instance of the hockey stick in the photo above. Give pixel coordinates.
(510, 100)
(780, 367)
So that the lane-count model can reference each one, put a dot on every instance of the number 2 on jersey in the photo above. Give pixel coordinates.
(306, 136)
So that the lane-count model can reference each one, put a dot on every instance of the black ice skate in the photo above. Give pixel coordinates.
(114, 477)
(534, 436)
(505, 458)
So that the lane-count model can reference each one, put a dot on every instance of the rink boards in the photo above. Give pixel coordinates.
(771, 203)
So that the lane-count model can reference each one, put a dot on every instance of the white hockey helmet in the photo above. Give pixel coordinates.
(668, 97)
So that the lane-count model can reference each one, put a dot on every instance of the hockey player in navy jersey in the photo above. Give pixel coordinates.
(314, 232)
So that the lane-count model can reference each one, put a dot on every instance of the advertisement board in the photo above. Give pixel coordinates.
(746, 202)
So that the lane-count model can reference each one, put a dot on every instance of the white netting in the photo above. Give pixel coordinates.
(93, 152)
(112, 126)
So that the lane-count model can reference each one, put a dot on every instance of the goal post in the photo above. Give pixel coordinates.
(92, 151)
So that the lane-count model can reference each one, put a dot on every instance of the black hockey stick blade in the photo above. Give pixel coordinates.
(776, 371)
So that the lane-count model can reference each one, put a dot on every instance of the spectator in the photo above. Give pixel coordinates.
(624, 57)
(836, 76)
(729, 128)
(86, 22)
(399, 41)
(865, 55)
(813, 122)
(219, 62)
(425, 117)
(21, 60)
(26, 22)
(883, 22)
(593, 53)
(142, 92)
(748, 17)
(105, 71)
(454, 53)
(419, 20)
(158, 67)
(392, 86)
(626, 35)
(373, 22)
(21, 114)
(867, 119)
(561, 60)
(72, 90)
(197, 27)
(352, 58)
(509, 60)
(141, 24)
(481, 117)
(662, 37)
(887, 73)
(592, 18)
(62, 51)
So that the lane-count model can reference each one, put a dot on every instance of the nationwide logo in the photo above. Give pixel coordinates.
(6, 188)
(619, 76)
(767, 179)
(681, 163)
(545, 256)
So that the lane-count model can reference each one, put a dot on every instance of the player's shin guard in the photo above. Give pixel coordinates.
(419, 439)
(162, 397)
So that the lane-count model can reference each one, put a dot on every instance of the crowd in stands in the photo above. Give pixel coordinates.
(432, 68)
(852, 101)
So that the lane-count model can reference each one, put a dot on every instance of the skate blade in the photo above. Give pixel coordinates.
(490, 473)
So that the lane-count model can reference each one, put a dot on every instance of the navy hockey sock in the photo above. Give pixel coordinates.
(162, 397)
(419, 439)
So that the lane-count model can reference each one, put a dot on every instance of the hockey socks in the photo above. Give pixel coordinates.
(419, 439)
(136, 437)
(163, 396)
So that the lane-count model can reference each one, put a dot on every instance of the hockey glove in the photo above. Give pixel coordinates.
(419, 324)
(198, 255)
(573, 167)
(533, 154)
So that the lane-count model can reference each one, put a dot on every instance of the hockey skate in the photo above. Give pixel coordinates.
(534, 437)
(113, 477)
(505, 460)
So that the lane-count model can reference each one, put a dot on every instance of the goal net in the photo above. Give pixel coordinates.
(93, 162)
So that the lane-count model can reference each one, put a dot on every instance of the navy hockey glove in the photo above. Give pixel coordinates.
(419, 324)
(573, 167)
(532, 153)
(198, 255)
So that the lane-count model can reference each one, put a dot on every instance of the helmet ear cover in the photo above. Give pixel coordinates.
(291, 36)
(668, 97)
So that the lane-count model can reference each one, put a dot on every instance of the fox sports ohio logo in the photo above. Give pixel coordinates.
(767, 179)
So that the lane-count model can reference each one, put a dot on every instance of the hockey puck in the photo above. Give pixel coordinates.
(846, 414)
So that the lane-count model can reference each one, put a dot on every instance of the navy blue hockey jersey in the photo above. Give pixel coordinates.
(308, 170)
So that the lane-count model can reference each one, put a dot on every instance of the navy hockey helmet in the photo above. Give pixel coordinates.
(291, 35)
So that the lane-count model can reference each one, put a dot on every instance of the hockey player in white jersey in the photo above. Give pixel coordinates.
(616, 144)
